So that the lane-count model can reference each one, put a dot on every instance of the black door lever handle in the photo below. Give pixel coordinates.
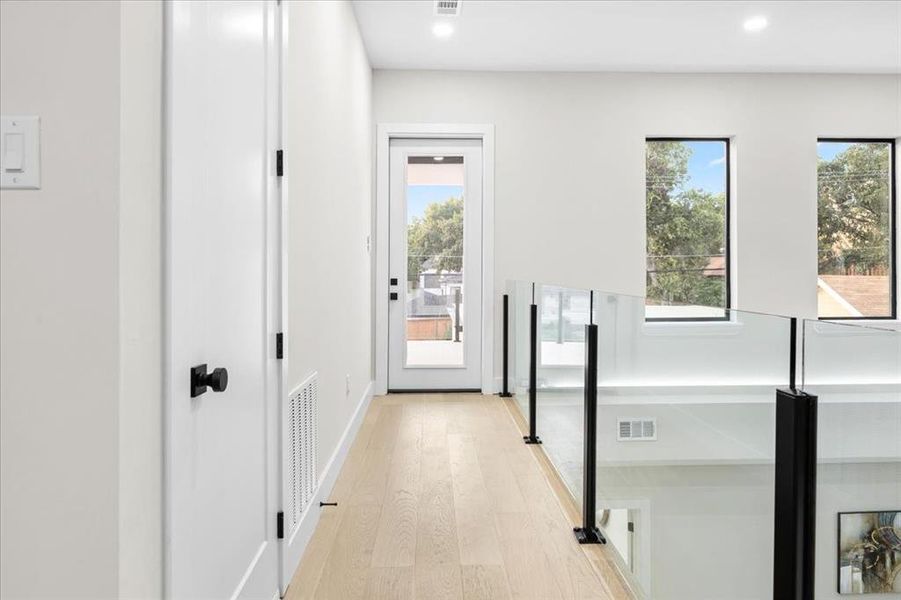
(201, 380)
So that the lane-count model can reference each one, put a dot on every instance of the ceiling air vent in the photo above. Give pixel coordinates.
(447, 8)
(636, 430)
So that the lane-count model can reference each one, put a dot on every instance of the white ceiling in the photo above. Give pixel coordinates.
(674, 36)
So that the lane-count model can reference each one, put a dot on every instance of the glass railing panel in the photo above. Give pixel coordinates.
(855, 371)
(844, 353)
(745, 349)
(563, 313)
(686, 439)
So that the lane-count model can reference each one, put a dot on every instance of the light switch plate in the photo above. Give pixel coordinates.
(20, 152)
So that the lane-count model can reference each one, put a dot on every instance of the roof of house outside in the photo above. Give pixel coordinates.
(853, 296)
(716, 266)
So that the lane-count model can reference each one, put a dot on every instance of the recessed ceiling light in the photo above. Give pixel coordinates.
(756, 24)
(442, 29)
(438, 158)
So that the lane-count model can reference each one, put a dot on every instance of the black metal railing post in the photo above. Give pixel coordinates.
(533, 438)
(589, 533)
(505, 389)
(795, 502)
(793, 354)
(457, 326)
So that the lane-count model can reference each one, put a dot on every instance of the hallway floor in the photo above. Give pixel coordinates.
(440, 498)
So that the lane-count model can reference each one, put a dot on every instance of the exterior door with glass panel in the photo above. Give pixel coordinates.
(435, 265)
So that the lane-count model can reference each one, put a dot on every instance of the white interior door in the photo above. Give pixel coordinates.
(221, 475)
(435, 265)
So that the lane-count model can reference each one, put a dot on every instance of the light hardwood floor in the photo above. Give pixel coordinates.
(439, 498)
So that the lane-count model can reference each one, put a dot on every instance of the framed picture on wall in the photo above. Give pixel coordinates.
(869, 552)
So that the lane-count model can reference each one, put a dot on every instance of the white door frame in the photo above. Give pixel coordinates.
(384, 134)
(278, 264)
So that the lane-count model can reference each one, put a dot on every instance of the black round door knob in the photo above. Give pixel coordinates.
(201, 380)
(217, 380)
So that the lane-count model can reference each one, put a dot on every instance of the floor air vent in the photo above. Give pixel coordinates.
(636, 430)
(304, 439)
(447, 8)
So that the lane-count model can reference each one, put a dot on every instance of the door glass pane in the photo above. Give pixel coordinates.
(434, 308)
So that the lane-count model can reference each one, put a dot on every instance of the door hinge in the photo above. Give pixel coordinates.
(279, 163)
(280, 345)
(280, 525)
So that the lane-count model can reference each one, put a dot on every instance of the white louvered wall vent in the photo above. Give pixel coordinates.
(636, 430)
(447, 8)
(304, 440)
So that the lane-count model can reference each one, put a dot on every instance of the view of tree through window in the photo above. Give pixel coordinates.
(435, 215)
(854, 213)
(436, 239)
(687, 208)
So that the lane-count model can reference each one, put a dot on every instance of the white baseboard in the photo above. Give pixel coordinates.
(294, 547)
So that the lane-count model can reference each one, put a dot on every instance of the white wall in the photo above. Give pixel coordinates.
(80, 310)
(328, 166)
(59, 316)
(569, 172)
(140, 327)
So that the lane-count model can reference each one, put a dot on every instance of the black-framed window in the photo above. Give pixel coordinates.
(687, 221)
(856, 205)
